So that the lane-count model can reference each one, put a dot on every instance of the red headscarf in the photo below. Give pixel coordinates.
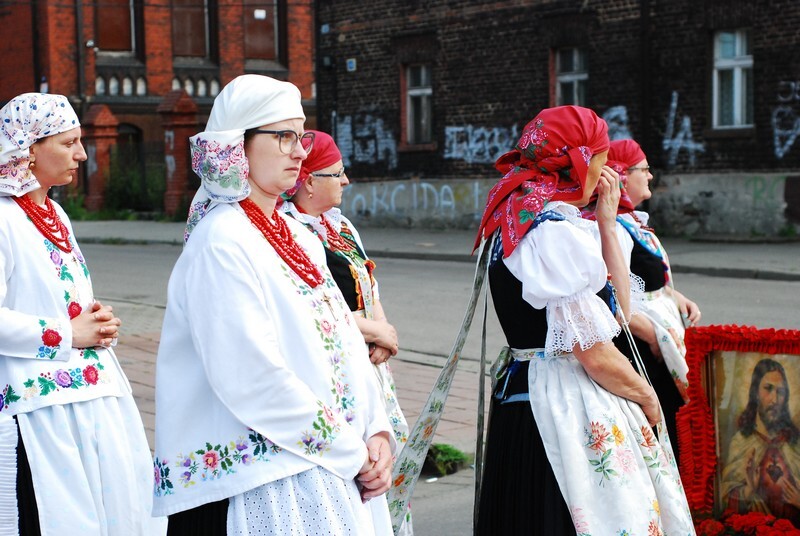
(622, 155)
(324, 153)
(549, 163)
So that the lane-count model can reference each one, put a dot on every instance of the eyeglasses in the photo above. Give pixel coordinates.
(646, 169)
(337, 175)
(287, 139)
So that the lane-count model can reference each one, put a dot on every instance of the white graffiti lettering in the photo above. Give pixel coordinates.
(617, 119)
(408, 197)
(364, 139)
(683, 140)
(785, 129)
(788, 91)
(478, 145)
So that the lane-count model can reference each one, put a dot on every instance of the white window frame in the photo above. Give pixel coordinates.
(412, 130)
(577, 78)
(738, 64)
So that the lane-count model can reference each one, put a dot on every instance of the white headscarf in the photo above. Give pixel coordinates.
(26, 119)
(248, 101)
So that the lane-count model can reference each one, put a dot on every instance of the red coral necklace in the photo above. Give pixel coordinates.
(46, 221)
(280, 238)
(335, 240)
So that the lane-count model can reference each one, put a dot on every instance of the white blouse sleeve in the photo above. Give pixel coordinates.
(561, 268)
(26, 335)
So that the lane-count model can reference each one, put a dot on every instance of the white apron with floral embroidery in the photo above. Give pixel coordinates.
(88, 453)
(604, 455)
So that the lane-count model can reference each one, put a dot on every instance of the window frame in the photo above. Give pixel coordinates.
(738, 64)
(575, 77)
(136, 20)
(411, 136)
(209, 24)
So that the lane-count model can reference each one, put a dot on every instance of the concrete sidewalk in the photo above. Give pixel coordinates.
(749, 259)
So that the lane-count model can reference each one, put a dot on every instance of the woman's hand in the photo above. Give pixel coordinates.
(382, 333)
(608, 195)
(689, 310)
(378, 354)
(375, 476)
(96, 327)
(652, 410)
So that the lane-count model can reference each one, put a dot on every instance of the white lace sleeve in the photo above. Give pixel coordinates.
(581, 319)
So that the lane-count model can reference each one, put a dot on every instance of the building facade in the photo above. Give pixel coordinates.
(424, 102)
(143, 76)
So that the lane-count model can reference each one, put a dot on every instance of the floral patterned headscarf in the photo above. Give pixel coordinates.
(25, 120)
(324, 153)
(549, 163)
(622, 155)
(248, 101)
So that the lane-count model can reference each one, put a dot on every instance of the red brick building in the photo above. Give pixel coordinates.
(143, 75)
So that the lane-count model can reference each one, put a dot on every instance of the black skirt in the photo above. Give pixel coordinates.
(26, 497)
(519, 491)
(205, 520)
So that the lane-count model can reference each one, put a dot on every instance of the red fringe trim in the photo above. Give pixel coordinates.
(695, 423)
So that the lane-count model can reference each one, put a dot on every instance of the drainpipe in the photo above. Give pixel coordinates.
(80, 57)
(645, 134)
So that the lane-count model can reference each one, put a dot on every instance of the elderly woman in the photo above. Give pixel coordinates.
(313, 201)
(570, 448)
(268, 420)
(82, 459)
(659, 310)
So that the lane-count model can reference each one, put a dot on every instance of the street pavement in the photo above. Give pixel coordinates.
(414, 376)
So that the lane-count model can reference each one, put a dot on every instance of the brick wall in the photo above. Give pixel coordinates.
(491, 73)
(17, 62)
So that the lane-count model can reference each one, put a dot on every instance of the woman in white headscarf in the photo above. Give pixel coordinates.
(82, 459)
(267, 418)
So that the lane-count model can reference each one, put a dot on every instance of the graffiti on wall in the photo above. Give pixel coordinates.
(364, 139)
(683, 139)
(478, 145)
(441, 200)
(617, 119)
(785, 122)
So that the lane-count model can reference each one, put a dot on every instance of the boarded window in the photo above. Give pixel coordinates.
(261, 31)
(190, 28)
(114, 25)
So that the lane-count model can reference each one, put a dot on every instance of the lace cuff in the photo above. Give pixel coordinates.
(638, 295)
(581, 319)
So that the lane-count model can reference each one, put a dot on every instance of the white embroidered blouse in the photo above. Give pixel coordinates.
(41, 288)
(259, 376)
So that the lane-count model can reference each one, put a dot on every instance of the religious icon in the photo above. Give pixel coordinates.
(755, 399)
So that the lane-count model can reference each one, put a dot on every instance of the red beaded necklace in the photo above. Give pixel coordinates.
(335, 240)
(637, 220)
(46, 221)
(280, 238)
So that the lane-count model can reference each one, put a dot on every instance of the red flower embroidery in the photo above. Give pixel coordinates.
(90, 374)
(211, 459)
(50, 337)
(74, 309)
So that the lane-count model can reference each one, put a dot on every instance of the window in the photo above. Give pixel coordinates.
(419, 105)
(733, 79)
(190, 28)
(572, 76)
(114, 20)
(262, 25)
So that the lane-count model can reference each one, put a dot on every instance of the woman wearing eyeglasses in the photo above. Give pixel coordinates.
(268, 420)
(660, 311)
(313, 201)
